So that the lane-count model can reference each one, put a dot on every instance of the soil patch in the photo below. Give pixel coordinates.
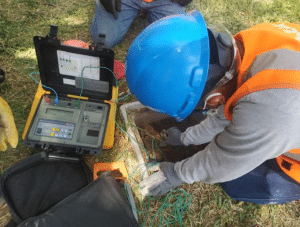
(150, 126)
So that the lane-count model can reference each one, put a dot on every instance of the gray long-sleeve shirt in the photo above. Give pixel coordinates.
(264, 125)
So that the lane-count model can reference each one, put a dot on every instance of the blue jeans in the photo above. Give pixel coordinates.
(115, 29)
(266, 184)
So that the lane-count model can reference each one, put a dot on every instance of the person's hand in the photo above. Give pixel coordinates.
(8, 130)
(172, 136)
(161, 181)
(112, 6)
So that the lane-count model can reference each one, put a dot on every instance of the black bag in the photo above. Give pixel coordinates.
(54, 190)
(38, 182)
(101, 203)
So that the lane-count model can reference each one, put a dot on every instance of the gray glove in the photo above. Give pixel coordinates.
(112, 6)
(172, 137)
(162, 181)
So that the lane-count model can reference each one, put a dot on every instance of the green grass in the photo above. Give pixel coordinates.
(20, 20)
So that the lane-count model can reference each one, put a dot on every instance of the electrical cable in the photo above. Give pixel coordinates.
(125, 96)
(179, 204)
(77, 104)
(56, 95)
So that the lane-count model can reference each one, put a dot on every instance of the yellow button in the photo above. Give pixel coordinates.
(53, 129)
(58, 129)
(51, 134)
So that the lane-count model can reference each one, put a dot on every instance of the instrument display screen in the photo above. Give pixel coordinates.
(63, 113)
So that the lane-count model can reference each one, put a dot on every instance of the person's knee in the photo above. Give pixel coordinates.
(114, 29)
(167, 9)
(106, 27)
(110, 41)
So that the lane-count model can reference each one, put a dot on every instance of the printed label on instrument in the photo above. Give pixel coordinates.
(78, 65)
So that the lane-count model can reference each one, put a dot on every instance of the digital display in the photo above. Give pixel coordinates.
(63, 113)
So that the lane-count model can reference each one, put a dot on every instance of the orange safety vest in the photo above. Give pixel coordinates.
(271, 60)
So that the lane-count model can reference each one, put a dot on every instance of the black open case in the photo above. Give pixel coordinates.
(74, 115)
(47, 49)
(53, 190)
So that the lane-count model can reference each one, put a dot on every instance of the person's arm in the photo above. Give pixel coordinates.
(258, 131)
(207, 129)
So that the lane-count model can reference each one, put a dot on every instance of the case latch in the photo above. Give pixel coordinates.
(101, 42)
(52, 36)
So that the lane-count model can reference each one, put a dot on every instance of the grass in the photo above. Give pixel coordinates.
(20, 20)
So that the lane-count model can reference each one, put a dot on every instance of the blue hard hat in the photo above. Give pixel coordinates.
(167, 64)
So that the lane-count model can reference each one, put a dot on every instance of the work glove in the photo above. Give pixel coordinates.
(161, 181)
(8, 130)
(172, 137)
(112, 6)
(182, 2)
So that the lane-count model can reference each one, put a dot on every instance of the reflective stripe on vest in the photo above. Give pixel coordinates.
(276, 59)
(270, 70)
(293, 156)
(271, 60)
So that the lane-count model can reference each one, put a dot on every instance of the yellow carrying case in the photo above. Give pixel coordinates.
(72, 108)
